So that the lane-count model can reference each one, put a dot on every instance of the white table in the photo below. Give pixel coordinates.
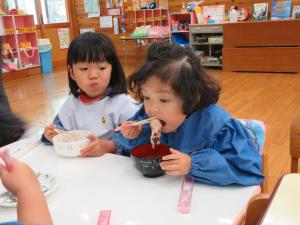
(284, 206)
(88, 185)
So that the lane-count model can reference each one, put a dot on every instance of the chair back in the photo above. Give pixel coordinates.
(295, 144)
(257, 131)
(256, 208)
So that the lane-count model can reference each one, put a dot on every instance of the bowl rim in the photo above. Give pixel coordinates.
(72, 142)
(152, 157)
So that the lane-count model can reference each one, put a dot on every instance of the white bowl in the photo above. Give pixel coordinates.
(70, 143)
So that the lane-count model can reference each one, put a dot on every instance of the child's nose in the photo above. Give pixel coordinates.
(93, 74)
(153, 110)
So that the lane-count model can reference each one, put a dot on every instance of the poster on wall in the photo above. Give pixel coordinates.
(64, 37)
(92, 7)
(106, 22)
(116, 25)
(114, 12)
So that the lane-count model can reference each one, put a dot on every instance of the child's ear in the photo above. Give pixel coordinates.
(70, 69)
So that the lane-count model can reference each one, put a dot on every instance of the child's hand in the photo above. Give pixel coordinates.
(97, 147)
(176, 163)
(23, 183)
(129, 131)
(49, 132)
(20, 179)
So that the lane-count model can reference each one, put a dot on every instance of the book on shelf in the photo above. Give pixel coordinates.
(281, 10)
(296, 12)
(260, 11)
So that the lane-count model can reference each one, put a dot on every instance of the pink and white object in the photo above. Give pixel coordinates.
(184, 203)
(104, 217)
(6, 158)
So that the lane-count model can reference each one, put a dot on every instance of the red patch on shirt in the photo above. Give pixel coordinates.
(87, 100)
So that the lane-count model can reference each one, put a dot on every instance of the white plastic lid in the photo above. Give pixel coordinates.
(45, 41)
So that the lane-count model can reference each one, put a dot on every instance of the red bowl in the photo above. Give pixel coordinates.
(147, 160)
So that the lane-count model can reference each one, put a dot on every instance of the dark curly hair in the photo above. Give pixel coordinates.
(180, 68)
(93, 48)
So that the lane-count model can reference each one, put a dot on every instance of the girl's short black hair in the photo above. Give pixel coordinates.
(180, 68)
(93, 48)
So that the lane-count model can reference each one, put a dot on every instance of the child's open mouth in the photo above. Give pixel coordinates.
(163, 123)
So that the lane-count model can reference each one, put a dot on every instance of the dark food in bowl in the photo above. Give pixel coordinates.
(147, 160)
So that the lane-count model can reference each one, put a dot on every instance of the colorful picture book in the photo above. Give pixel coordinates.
(281, 10)
(260, 11)
(296, 12)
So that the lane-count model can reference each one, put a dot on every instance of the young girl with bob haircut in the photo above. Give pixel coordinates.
(98, 99)
(205, 142)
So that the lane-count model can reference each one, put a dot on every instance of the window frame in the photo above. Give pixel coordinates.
(39, 13)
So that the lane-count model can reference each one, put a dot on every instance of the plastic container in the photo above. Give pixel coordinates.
(45, 47)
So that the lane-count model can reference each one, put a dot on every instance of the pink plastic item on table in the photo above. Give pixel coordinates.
(104, 217)
(184, 203)
(4, 154)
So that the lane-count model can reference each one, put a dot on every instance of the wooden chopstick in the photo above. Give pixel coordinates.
(137, 123)
(58, 131)
(145, 121)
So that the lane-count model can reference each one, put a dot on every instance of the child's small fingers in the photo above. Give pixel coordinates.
(2, 170)
(91, 137)
(173, 173)
(88, 149)
(172, 150)
(84, 153)
(51, 126)
(171, 157)
(91, 153)
(169, 167)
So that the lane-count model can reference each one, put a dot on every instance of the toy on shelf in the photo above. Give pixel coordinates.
(25, 44)
(233, 14)
(27, 29)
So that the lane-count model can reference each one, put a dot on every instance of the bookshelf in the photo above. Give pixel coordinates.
(153, 17)
(207, 41)
(20, 49)
(179, 27)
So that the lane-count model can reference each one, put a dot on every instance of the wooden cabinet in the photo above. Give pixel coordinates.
(207, 41)
(265, 46)
(20, 49)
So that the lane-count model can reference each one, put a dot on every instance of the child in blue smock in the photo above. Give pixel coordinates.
(206, 143)
(98, 99)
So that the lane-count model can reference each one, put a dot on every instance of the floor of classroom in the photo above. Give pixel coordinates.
(272, 98)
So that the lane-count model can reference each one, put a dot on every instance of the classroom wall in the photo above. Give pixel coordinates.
(134, 55)
(84, 22)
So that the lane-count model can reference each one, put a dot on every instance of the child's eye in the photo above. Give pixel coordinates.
(102, 68)
(164, 100)
(145, 98)
(83, 68)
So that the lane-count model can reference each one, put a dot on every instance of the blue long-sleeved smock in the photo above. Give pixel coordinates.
(221, 149)
(11, 223)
